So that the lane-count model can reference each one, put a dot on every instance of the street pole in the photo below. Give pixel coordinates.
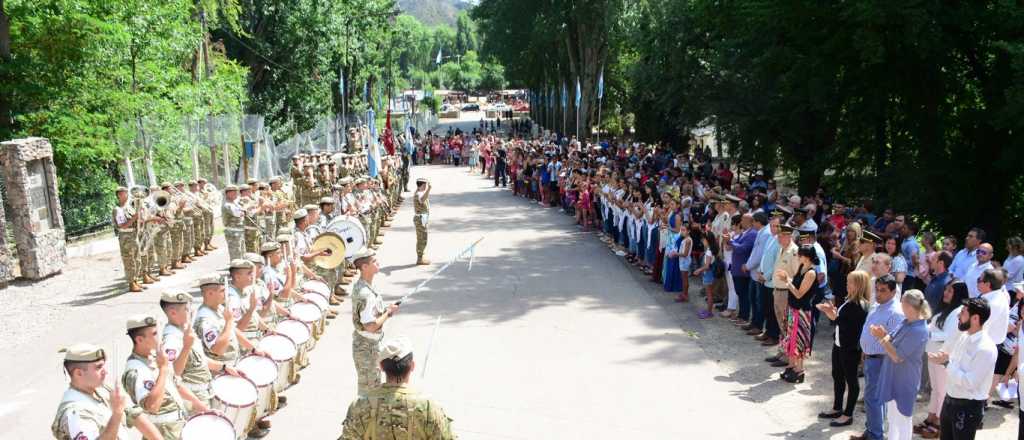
(599, 102)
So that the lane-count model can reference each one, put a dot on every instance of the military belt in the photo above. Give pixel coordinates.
(169, 417)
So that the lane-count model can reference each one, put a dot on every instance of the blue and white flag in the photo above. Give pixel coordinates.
(438, 60)
(409, 148)
(578, 94)
(565, 96)
(600, 84)
(373, 154)
(366, 92)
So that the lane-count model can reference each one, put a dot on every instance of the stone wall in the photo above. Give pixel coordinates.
(35, 208)
(6, 262)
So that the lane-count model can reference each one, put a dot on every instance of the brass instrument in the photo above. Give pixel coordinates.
(148, 230)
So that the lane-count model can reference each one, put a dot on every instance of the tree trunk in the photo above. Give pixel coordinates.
(6, 118)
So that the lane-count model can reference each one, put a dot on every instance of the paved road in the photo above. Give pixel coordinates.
(549, 336)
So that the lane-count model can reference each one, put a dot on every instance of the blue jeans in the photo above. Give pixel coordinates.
(872, 400)
(742, 285)
(756, 306)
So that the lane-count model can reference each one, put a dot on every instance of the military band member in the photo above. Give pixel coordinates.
(183, 351)
(250, 207)
(91, 410)
(369, 314)
(421, 210)
(283, 208)
(222, 340)
(395, 410)
(207, 198)
(177, 227)
(234, 230)
(160, 251)
(198, 221)
(126, 225)
(326, 211)
(151, 382)
(187, 220)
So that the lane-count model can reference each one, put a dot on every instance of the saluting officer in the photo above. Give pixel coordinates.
(368, 317)
(421, 214)
(394, 410)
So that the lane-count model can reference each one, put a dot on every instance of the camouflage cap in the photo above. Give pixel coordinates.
(284, 238)
(269, 246)
(241, 263)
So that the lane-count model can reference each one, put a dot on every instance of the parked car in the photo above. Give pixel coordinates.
(471, 108)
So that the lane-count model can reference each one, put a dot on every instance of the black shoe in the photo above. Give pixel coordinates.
(772, 359)
(830, 415)
(780, 363)
(794, 377)
(836, 424)
(1003, 403)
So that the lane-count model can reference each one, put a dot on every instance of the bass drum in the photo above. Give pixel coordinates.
(351, 231)
(313, 231)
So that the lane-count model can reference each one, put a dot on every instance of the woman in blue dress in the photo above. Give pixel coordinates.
(673, 281)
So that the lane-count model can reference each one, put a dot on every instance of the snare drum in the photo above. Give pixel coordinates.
(320, 301)
(317, 287)
(208, 425)
(282, 350)
(310, 314)
(236, 398)
(262, 371)
(300, 335)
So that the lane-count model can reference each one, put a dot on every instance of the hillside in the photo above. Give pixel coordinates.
(435, 12)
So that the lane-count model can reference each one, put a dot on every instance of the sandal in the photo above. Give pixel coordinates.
(704, 314)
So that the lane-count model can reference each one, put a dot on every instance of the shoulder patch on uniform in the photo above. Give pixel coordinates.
(81, 436)
(210, 336)
(172, 354)
(148, 385)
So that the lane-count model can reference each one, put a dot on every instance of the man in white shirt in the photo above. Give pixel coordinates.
(970, 359)
(984, 256)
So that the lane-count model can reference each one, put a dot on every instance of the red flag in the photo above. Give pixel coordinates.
(389, 140)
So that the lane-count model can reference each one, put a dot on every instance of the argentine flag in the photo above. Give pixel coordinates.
(373, 155)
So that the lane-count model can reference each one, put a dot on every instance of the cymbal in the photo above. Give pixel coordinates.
(335, 244)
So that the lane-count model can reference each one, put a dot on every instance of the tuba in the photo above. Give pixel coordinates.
(149, 229)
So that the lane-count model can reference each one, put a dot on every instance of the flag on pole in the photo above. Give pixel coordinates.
(600, 84)
(565, 95)
(438, 60)
(408, 137)
(366, 92)
(389, 142)
(341, 82)
(578, 94)
(373, 152)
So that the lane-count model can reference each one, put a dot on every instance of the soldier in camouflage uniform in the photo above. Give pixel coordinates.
(231, 216)
(285, 206)
(90, 409)
(160, 250)
(198, 222)
(251, 226)
(183, 351)
(126, 220)
(421, 215)
(152, 384)
(394, 410)
(177, 227)
(368, 317)
(209, 205)
(187, 224)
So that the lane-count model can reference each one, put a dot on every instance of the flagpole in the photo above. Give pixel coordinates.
(599, 101)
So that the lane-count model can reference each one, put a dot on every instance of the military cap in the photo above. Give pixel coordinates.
(732, 198)
(121, 189)
(778, 212)
(395, 348)
(230, 188)
(801, 209)
(326, 201)
(275, 179)
(345, 180)
(244, 188)
(140, 321)
(252, 258)
(175, 297)
(785, 209)
(311, 207)
(210, 278)
(422, 180)
(179, 183)
(241, 263)
(362, 180)
(786, 229)
(269, 246)
(193, 182)
(363, 253)
(154, 188)
(84, 353)
(263, 186)
(165, 185)
(251, 181)
(299, 214)
(338, 186)
(284, 238)
(870, 237)
(201, 180)
(807, 228)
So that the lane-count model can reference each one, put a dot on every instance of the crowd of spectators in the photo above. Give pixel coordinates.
(910, 311)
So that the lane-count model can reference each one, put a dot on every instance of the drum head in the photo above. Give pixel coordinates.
(296, 330)
(262, 370)
(318, 300)
(351, 231)
(305, 312)
(208, 425)
(234, 391)
(279, 347)
(317, 287)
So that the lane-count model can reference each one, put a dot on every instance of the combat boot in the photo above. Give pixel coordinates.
(165, 272)
(210, 247)
(146, 279)
(422, 261)
(134, 287)
(178, 265)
